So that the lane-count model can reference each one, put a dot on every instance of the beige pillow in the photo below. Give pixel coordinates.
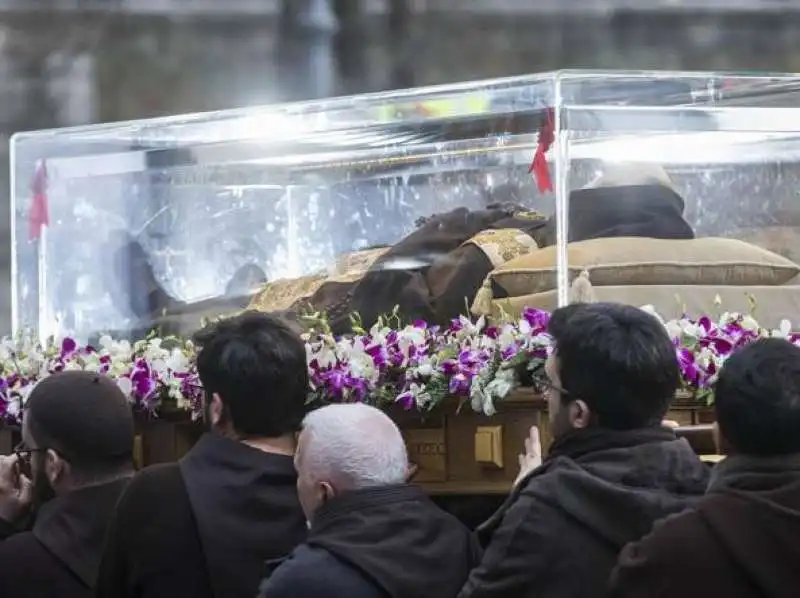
(645, 261)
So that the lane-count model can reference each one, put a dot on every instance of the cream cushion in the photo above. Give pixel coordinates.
(646, 261)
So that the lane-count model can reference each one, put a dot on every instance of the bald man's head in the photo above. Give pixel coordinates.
(347, 447)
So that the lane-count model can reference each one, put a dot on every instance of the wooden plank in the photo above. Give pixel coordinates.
(428, 450)
(441, 443)
(700, 437)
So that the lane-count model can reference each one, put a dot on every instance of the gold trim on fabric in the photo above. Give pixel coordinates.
(532, 216)
(281, 294)
(503, 244)
(355, 264)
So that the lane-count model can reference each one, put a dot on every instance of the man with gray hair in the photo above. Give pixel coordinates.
(371, 535)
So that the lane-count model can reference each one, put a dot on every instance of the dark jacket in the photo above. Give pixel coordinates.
(741, 541)
(203, 527)
(60, 556)
(561, 530)
(389, 542)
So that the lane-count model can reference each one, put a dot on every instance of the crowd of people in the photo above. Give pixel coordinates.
(281, 501)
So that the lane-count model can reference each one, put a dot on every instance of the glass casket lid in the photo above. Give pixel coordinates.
(181, 206)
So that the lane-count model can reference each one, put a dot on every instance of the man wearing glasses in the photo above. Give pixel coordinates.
(67, 476)
(612, 470)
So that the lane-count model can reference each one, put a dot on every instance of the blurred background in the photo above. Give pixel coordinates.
(71, 62)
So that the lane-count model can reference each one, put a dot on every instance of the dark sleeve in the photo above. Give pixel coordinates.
(647, 568)
(7, 529)
(313, 573)
(293, 582)
(22, 564)
(112, 578)
(511, 562)
(306, 586)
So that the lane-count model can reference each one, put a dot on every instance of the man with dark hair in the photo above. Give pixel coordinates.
(72, 467)
(612, 469)
(205, 527)
(618, 364)
(740, 540)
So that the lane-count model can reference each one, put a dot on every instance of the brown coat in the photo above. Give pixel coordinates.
(741, 541)
(559, 533)
(399, 276)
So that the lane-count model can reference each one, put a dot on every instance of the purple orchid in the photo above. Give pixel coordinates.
(537, 319)
(415, 367)
(144, 383)
(68, 348)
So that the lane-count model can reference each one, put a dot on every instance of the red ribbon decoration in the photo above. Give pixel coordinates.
(39, 216)
(539, 167)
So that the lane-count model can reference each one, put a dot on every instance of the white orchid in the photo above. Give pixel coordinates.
(417, 366)
(784, 329)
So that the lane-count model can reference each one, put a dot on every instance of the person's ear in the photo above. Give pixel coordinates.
(216, 410)
(580, 415)
(326, 492)
(55, 467)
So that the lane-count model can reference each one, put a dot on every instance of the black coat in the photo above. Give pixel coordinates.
(741, 540)
(559, 534)
(203, 527)
(389, 542)
(60, 556)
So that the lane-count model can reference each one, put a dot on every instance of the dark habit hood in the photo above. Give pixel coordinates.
(617, 484)
(247, 511)
(752, 511)
(627, 211)
(397, 537)
(73, 527)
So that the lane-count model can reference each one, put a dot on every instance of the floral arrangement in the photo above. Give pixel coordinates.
(416, 366)
(152, 373)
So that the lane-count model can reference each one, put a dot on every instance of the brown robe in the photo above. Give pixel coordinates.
(654, 211)
(740, 541)
(434, 274)
(400, 276)
(203, 527)
(60, 556)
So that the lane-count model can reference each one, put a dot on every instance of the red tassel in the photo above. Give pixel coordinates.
(539, 167)
(39, 216)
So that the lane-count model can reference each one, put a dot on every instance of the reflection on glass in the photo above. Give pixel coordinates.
(422, 199)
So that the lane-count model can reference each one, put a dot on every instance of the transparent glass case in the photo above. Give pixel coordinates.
(423, 199)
